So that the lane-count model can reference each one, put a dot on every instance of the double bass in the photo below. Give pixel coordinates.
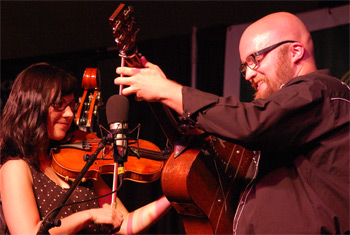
(205, 175)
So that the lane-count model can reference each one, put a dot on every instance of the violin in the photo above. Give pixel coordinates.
(144, 164)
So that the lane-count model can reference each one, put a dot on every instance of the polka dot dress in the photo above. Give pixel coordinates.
(49, 195)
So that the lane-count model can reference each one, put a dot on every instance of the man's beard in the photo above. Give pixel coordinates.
(262, 94)
(283, 74)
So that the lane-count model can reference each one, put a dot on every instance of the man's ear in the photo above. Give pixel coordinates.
(298, 52)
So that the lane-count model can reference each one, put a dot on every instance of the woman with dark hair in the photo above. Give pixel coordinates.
(39, 113)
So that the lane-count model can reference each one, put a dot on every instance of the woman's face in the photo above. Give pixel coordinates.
(60, 117)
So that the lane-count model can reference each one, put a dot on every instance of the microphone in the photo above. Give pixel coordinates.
(117, 110)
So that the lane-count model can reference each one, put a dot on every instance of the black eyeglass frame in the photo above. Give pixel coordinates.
(62, 105)
(243, 67)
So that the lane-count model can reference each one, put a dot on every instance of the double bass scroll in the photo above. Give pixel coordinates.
(87, 112)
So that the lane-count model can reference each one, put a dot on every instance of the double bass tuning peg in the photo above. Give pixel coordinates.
(127, 12)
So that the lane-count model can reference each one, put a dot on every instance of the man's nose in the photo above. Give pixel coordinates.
(250, 74)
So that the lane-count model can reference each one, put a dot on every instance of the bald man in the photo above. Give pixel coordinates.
(298, 121)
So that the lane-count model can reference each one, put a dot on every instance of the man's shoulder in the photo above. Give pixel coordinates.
(316, 77)
(320, 82)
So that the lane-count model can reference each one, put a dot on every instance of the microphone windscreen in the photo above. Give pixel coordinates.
(117, 109)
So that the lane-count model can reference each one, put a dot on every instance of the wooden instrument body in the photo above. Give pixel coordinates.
(69, 161)
(205, 188)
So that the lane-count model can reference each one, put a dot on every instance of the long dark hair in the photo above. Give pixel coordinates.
(24, 118)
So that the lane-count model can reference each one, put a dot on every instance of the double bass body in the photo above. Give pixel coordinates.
(204, 184)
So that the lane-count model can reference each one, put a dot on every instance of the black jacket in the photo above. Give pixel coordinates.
(302, 131)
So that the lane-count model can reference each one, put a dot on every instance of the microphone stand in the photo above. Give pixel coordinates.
(51, 222)
(119, 160)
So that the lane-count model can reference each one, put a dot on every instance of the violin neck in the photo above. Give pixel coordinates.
(149, 154)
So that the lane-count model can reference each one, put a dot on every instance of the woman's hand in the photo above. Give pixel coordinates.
(108, 216)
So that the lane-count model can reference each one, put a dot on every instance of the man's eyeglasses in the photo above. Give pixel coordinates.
(252, 60)
(62, 105)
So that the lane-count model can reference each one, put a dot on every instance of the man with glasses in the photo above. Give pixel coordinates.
(299, 121)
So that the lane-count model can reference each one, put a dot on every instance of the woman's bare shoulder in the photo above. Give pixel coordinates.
(15, 163)
(14, 168)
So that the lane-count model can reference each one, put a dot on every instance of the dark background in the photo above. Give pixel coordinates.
(76, 35)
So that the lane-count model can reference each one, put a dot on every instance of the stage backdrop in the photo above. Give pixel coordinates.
(216, 70)
(330, 32)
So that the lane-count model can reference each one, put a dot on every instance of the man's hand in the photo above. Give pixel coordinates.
(150, 84)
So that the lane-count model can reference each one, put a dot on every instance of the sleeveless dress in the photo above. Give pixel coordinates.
(48, 196)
